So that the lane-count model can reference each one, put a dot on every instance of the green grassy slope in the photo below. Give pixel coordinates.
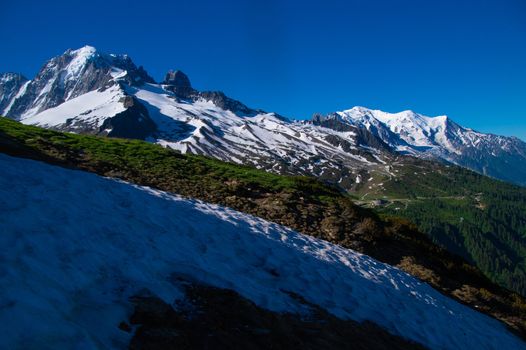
(301, 203)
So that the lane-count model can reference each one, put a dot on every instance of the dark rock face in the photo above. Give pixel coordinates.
(177, 78)
(179, 83)
(133, 123)
(214, 318)
(229, 104)
(10, 85)
(363, 136)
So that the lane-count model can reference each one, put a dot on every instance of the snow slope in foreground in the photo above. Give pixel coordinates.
(75, 246)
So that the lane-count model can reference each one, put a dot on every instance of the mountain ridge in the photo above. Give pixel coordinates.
(440, 137)
(75, 73)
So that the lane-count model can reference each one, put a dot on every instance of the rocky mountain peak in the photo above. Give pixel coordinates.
(83, 53)
(360, 109)
(177, 78)
(68, 76)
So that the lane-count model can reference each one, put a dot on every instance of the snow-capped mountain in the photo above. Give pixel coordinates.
(112, 97)
(439, 137)
(68, 76)
(68, 280)
(91, 92)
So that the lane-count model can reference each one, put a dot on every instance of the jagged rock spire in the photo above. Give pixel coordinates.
(177, 78)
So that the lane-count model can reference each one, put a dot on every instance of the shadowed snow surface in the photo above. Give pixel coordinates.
(75, 247)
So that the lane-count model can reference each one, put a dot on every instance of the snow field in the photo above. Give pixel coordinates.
(76, 246)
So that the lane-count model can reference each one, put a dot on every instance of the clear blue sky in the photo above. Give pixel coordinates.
(466, 59)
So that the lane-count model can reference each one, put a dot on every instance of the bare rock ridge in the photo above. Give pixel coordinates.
(134, 122)
(179, 83)
(177, 79)
(364, 137)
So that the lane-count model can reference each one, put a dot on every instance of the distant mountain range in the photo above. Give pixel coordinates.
(87, 91)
